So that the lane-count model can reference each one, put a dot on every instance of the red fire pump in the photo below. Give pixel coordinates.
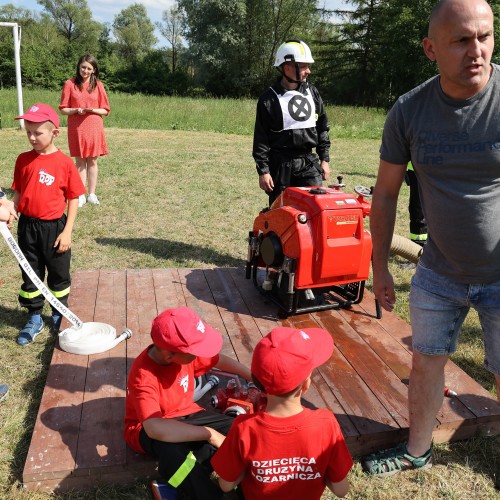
(237, 399)
(310, 251)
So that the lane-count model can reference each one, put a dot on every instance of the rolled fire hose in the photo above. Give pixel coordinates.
(81, 338)
(406, 248)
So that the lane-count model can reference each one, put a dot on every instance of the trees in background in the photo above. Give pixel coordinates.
(134, 33)
(231, 45)
(366, 54)
(171, 29)
(376, 54)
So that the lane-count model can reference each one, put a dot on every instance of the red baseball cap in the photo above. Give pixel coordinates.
(285, 357)
(40, 113)
(182, 330)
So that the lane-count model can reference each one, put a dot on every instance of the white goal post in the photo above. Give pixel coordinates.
(16, 31)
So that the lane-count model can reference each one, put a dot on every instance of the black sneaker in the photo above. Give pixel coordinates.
(389, 462)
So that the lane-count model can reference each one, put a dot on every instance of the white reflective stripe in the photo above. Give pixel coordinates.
(18, 254)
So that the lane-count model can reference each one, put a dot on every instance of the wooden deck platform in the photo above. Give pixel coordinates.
(77, 440)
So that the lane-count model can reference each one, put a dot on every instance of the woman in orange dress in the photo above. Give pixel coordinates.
(85, 102)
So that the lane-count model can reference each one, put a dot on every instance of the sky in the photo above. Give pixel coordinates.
(106, 10)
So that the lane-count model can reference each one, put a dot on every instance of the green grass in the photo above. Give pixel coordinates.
(176, 198)
(228, 116)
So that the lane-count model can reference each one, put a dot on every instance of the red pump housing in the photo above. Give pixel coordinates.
(312, 238)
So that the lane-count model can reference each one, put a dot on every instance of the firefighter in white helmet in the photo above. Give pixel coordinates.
(291, 121)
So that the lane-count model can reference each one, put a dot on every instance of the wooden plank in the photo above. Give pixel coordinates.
(358, 404)
(464, 384)
(141, 310)
(398, 360)
(77, 440)
(263, 311)
(167, 289)
(104, 401)
(72, 483)
(54, 441)
(474, 403)
(243, 332)
(200, 299)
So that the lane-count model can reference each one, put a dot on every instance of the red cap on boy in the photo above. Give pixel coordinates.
(285, 357)
(182, 330)
(40, 113)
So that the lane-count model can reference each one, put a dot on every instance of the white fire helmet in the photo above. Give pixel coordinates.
(295, 51)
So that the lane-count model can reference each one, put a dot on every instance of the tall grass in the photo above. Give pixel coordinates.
(227, 116)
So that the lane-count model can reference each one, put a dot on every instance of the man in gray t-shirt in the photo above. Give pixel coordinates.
(449, 128)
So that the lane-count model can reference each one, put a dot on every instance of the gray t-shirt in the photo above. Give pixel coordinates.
(455, 150)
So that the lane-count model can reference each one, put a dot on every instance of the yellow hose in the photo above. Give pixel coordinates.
(406, 248)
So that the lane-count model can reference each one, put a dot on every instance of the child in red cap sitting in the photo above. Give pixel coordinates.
(161, 417)
(288, 451)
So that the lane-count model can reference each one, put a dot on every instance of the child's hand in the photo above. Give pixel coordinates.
(63, 243)
(216, 438)
(7, 212)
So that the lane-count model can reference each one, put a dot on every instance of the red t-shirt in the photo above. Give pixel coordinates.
(160, 391)
(86, 136)
(44, 183)
(286, 457)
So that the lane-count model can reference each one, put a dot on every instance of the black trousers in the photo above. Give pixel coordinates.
(36, 239)
(175, 459)
(304, 170)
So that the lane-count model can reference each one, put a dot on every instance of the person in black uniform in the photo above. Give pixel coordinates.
(290, 122)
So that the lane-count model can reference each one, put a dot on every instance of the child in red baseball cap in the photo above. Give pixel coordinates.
(161, 417)
(46, 190)
(286, 451)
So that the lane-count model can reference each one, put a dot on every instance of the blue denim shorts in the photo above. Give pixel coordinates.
(438, 307)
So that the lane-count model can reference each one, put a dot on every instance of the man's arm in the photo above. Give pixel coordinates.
(261, 148)
(382, 219)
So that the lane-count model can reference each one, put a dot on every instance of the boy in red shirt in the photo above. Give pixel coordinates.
(161, 417)
(46, 182)
(286, 451)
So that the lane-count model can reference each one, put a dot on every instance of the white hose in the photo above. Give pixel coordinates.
(25, 265)
(81, 338)
(199, 391)
(92, 338)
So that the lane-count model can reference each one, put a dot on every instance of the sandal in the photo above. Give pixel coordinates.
(29, 332)
(388, 462)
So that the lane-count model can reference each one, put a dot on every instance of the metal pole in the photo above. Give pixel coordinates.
(16, 30)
